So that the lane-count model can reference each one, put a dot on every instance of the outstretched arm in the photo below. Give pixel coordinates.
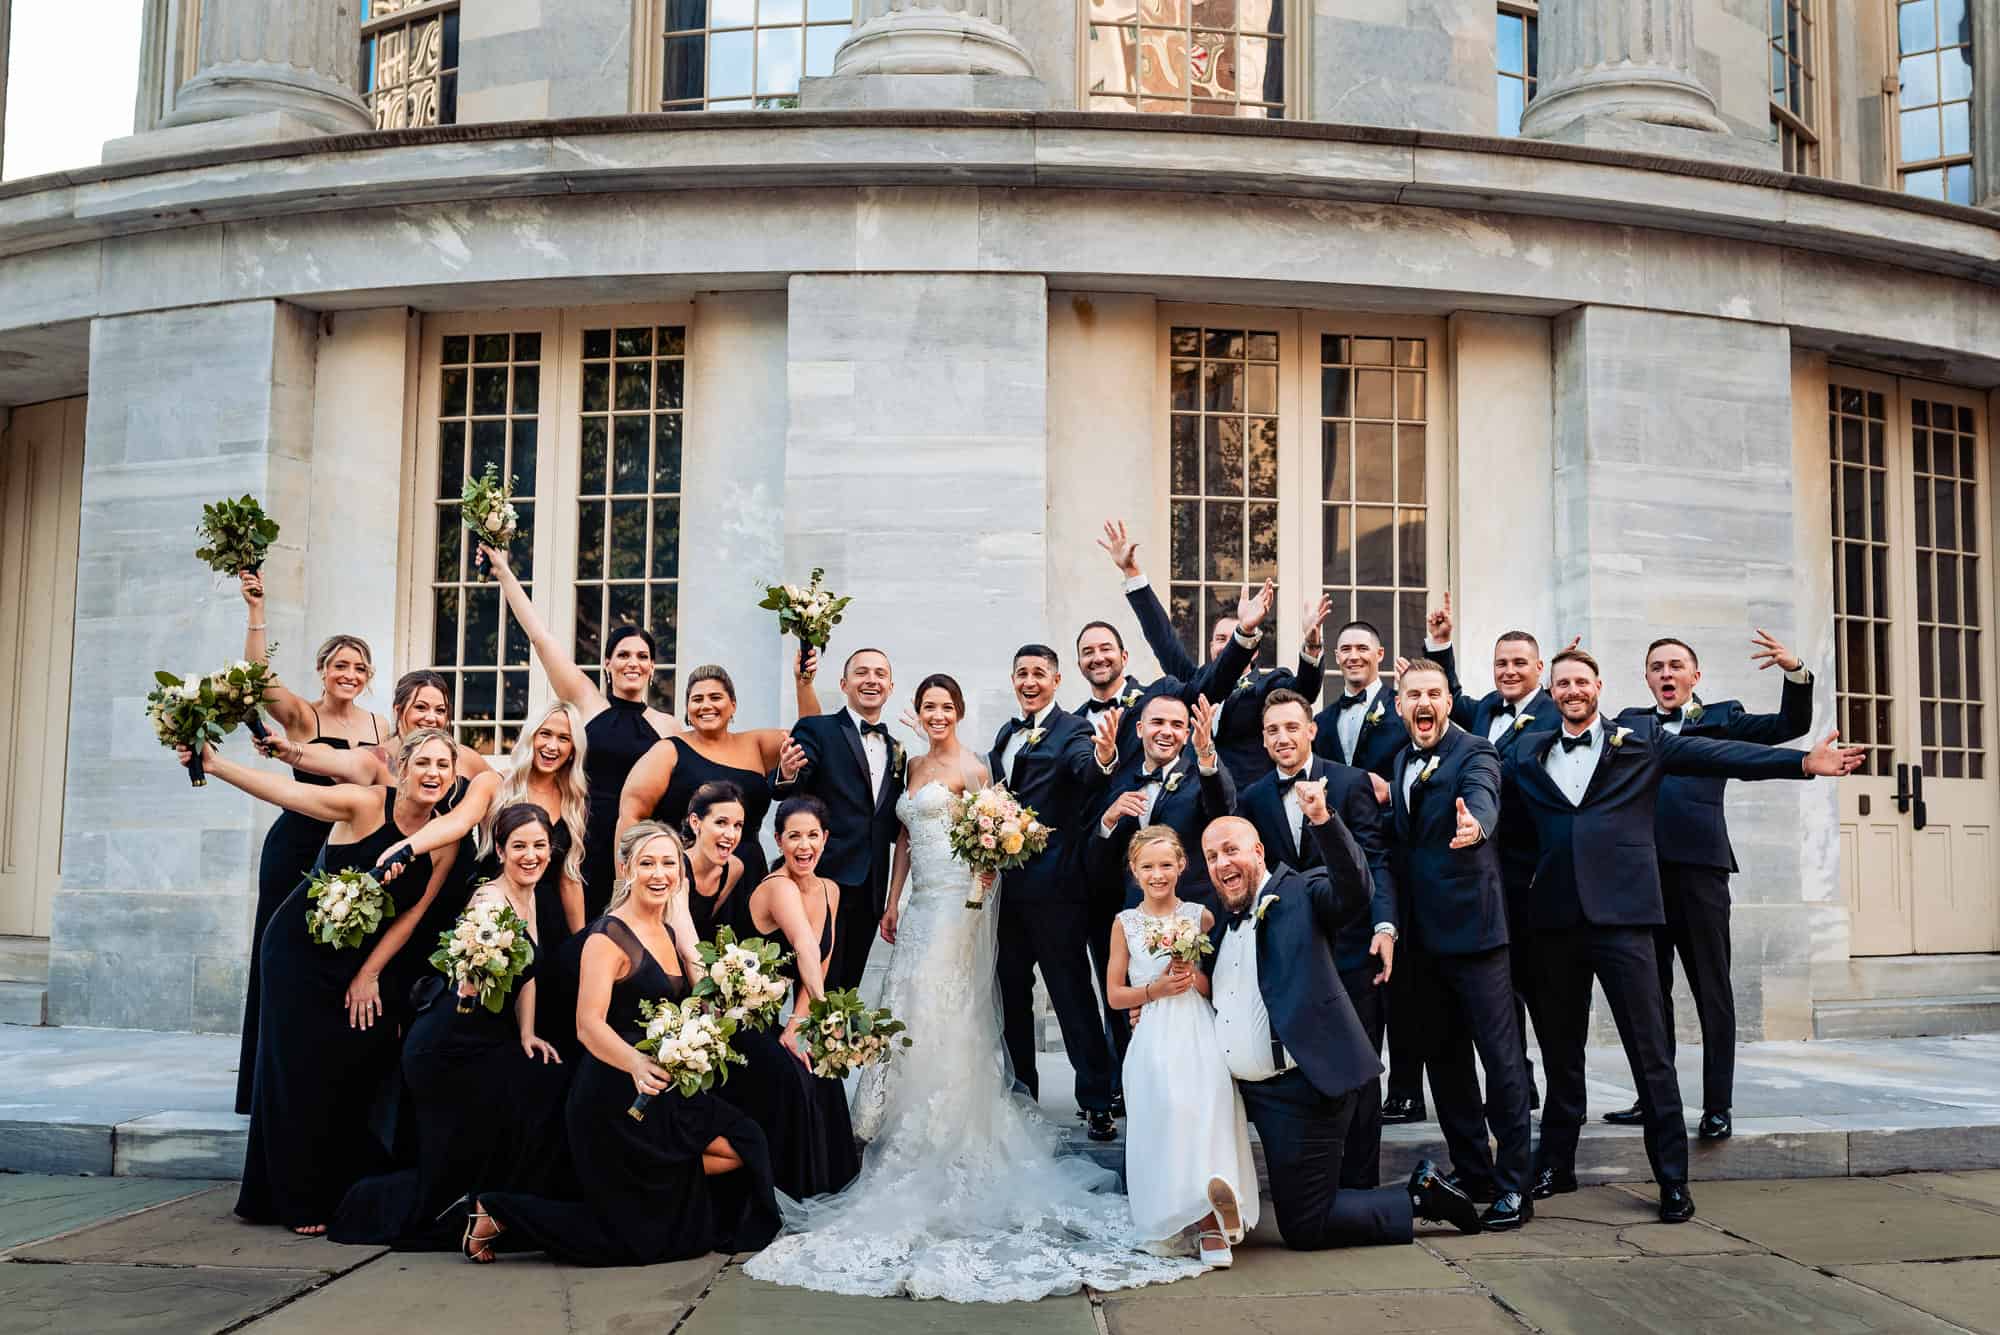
(364, 993)
(570, 684)
(360, 764)
(1748, 761)
(1795, 704)
(285, 705)
(339, 802)
(446, 830)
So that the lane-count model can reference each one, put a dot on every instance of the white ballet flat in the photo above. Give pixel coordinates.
(1217, 1257)
(1222, 1200)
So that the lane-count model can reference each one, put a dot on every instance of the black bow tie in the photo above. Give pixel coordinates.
(1510, 710)
(1098, 706)
(879, 729)
(1346, 700)
(1421, 758)
(1158, 776)
(1570, 743)
(1285, 781)
(1025, 724)
(1670, 715)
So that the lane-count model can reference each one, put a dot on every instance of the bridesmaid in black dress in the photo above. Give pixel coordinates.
(694, 1176)
(488, 1093)
(292, 844)
(804, 1116)
(661, 786)
(620, 723)
(323, 1043)
(714, 872)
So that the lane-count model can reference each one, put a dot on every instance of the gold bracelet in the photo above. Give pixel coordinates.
(257, 625)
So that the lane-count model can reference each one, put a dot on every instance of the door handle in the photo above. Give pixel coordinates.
(1902, 789)
(1919, 817)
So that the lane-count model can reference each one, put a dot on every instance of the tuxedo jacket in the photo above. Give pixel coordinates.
(861, 831)
(1228, 665)
(1455, 898)
(1538, 713)
(1238, 689)
(1690, 819)
(1599, 861)
(1296, 973)
(1350, 795)
(1058, 776)
(1380, 738)
(1196, 800)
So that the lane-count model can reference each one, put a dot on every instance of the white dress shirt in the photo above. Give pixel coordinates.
(1415, 765)
(1571, 770)
(1502, 720)
(1241, 1022)
(1348, 729)
(876, 747)
(1019, 741)
(1295, 815)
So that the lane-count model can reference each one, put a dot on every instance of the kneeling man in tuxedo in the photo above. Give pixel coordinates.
(1291, 1039)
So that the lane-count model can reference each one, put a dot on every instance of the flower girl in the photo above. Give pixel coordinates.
(1187, 1144)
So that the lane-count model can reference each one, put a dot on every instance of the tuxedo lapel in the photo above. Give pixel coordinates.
(845, 722)
(1606, 754)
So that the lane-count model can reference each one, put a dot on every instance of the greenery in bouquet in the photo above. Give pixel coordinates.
(487, 508)
(809, 612)
(992, 832)
(348, 907)
(487, 949)
(742, 979)
(839, 1034)
(688, 1041)
(235, 535)
(1178, 938)
(199, 711)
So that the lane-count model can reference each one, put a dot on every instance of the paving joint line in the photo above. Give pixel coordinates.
(1891, 1298)
(728, 1264)
(1472, 1282)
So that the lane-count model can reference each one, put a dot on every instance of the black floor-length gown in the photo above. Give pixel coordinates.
(691, 770)
(558, 951)
(311, 1136)
(643, 1197)
(412, 964)
(291, 848)
(486, 1114)
(617, 738)
(804, 1116)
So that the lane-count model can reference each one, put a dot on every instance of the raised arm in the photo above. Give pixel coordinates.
(570, 684)
(446, 830)
(339, 802)
(359, 764)
(646, 785)
(283, 704)
(1346, 890)
(1362, 815)
(1795, 703)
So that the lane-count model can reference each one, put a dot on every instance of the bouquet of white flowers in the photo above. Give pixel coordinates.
(348, 907)
(1179, 937)
(991, 831)
(486, 949)
(487, 508)
(742, 980)
(198, 711)
(810, 613)
(690, 1042)
(840, 1034)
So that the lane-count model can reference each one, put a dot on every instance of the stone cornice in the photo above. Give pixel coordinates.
(1068, 150)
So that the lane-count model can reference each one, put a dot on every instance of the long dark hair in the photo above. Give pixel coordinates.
(710, 796)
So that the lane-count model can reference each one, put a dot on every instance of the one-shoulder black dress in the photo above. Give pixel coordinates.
(618, 737)
(692, 769)
(643, 1197)
(487, 1114)
(317, 1077)
(804, 1116)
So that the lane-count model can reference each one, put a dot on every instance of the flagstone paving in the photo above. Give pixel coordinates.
(1911, 1254)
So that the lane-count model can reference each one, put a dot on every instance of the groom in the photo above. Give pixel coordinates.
(1051, 761)
(1290, 1035)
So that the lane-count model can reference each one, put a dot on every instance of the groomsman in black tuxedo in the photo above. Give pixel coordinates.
(1445, 799)
(1101, 657)
(1054, 762)
(1240, 722)
(1592, 788)
(1696, 860)
(1292, 1040)
(1172, 781)
(849, 761)
(1364, 952)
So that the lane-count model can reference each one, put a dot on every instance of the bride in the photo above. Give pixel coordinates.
(963, 1193)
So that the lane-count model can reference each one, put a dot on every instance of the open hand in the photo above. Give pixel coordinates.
(1119, 546)
(1250, 613)
(1202, 731)
(1438, 624)
(791, 759)
(540, 1049)
(1829, 760)
(1106, 743)
(1383, 948)
(363, 1001)
(1769, 653)
(1469, 830)
(1317, 611)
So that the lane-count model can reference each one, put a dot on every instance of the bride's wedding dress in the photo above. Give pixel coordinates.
(962, 1194)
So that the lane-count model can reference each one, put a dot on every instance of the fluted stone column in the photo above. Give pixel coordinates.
(1986, 103)
(268, 70)
(1621, 74)
(929, 53)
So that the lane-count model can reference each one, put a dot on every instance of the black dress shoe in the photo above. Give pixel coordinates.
(1549, 1183)
(1396, 1110)
(1099, 1126)
(1507, 1213)
(1632, 1116)
(1437, 1201)
(1117, 1105)
(1715, 1126)
(1480, 1189)
(1676, 1205)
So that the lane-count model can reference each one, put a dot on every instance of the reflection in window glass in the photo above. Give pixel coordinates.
(1206, 57)
(409, 63)
(1794, 84)
(732, 55)
(1516, 61)
(1934, 99)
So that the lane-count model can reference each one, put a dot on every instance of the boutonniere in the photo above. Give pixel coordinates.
(1373, 718)
(1263, 907)
(1424, 774)
(1174, 779)
(1247, 680)
(1618, 738)
(1130, 698)
(1523, 721)
(897, 759)
(1693, 712)
(1036, 735)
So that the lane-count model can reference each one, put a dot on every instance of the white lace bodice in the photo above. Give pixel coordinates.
(1146, 966)
(925, 814)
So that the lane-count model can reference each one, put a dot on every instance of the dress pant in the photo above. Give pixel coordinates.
(1621, 958)
(1051, 934)
(1697, 927)
(1523, 958)
(855, 928)
(1305, 1135)
(1407, 1011)
(1474, 1009)
(1361, 1165)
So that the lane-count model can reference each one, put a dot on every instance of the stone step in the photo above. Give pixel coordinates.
(1908, 1017)
(24, 1003)
(113, 1142)
(24, 959)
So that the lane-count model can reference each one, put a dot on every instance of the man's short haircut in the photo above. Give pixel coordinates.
(1038, 651)
(1525, 637)
(1693, 658)
(1090, 626)
(844, 667)
(1155, 698)
(1287, 697)
(1417, 665)
(1575, 656)
(1375, 634)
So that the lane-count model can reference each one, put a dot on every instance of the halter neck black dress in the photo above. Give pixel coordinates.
(291, 847)
(643, 1197)
(804, 1116)
(712, 911)
(310, 1135)
(617, 738)
(692, 769)
(412, 963)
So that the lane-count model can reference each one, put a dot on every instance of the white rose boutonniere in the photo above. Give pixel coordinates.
(1424, 774)
(1618, 738)
(1130, 698)
(1263, 907)
(1693, 712)
(1373, 718)
(1523, 721)
(1174, 779)
(1036, 734)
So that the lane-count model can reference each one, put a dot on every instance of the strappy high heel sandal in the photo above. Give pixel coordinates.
(477, 1247)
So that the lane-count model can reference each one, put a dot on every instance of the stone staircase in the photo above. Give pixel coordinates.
(1907, 996)
(24, 980)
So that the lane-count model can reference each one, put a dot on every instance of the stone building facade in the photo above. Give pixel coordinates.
(1612, 318)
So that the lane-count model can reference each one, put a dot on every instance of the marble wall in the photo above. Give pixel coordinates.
(531, 59)
(1425, 64)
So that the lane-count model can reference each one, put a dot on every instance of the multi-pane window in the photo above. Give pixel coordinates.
(738, 54)
(1794, 85)
(1934, 78)
(1944, 465)
(409, 62)
(1208, 57)
(1374, 502)
(1857, 425)
(489, 395)
(1223, 445)
(628, 543)
(1517, 64)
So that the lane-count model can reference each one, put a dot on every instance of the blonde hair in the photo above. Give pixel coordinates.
(412, 741)
(629, 844)
(335, 643)
(572, 788)
(1154, 834)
